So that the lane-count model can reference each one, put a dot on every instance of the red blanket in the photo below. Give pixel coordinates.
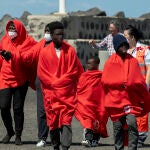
(12, 71)
(125, 89)
(30, 60)
(59, 80)
(90, 109)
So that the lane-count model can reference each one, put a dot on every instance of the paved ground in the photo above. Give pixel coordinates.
(29, 136)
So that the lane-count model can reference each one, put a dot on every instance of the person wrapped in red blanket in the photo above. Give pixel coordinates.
(30, 59)
(126, 95)
(58, 70)
(13, 77)
(90, 109)
(142, 53)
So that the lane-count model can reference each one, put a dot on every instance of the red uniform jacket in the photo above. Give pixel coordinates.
(125, 88)
(59, 83)
(90, 109)
(13, 73)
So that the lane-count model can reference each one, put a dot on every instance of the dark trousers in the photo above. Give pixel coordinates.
(65, 134)
(18, 94)
(90, 135)
(132, 132)
(41, 115)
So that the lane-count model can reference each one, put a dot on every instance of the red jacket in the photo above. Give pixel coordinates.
(59, 82)
(12, 71)
(90, 109)
(125, 88)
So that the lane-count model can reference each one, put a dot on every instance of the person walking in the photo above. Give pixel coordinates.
(14, 82)
(30, 60)
(43, 129)
(59, 70)
(90, 110)
(126, 95)
(142, 54)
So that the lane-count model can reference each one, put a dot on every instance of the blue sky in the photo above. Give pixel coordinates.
(131, 8)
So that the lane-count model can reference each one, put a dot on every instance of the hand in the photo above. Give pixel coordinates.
(5, 54)
(92, 42)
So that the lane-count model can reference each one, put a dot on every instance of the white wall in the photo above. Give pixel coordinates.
(103, 55)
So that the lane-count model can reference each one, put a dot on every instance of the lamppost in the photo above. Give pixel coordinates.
(62, 6)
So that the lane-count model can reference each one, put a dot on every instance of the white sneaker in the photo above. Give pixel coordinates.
(86, 143)
(83, 142)
(41, 143)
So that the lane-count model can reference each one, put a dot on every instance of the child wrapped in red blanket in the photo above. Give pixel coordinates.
(90, 109)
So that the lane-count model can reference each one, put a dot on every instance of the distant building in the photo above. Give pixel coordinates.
(79, 29)
(82, 26)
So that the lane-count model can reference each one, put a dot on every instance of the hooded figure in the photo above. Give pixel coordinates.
(142, 53)
(126, 95)
(13, 77)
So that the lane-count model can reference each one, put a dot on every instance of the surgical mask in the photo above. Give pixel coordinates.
(12, 34)
(47, 37)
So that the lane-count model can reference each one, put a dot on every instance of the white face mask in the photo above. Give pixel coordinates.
(12, 34)
(47, 37)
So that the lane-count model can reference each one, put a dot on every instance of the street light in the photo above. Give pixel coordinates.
(62, 6)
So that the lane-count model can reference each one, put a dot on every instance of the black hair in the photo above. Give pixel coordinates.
(96, 59)
(55, 25)
(133, 31)
(48, 26)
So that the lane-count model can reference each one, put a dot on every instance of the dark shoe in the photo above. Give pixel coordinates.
(65, 148)
(56, 148)
(18, 140)
(140, 145)
(94, 143)
(6, 139)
